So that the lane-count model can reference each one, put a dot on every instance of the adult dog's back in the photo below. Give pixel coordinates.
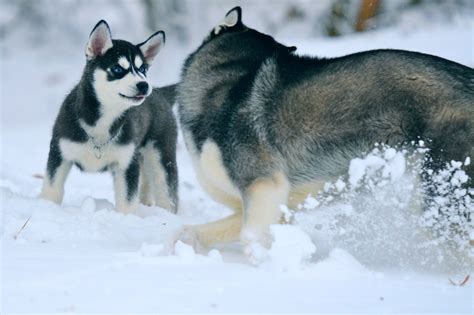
(333, 110)
(265, 126)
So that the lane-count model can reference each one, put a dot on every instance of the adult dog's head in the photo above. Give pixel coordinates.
(233, 40)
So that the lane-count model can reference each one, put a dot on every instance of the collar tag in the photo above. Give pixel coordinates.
(98, 152)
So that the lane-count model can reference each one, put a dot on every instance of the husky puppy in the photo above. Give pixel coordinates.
(114, 121)
(265, 127)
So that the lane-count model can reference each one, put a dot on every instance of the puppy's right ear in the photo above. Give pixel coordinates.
(100, 40)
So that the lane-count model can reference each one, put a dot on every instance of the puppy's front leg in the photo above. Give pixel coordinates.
(57, 171)
(126, 187)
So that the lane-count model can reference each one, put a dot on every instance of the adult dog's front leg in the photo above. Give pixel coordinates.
(126, 187)
(57, 171)
(262, 201)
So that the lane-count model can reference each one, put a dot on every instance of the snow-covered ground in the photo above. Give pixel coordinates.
(85, 257)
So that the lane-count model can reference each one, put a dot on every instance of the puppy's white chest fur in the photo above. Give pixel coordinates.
(94, 160)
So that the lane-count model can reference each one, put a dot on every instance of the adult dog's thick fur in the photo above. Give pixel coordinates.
(265, 126)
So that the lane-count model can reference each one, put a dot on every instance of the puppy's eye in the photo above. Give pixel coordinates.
(117, 69)
(143, 69)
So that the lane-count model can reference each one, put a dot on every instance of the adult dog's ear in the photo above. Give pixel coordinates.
(232, 20)
(233, 17)
(152, 46)
(100, 40)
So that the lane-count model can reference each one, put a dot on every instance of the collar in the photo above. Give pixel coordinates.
(99, 146)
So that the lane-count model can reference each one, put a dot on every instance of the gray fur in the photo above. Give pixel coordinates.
(116, 134)
(271, 110)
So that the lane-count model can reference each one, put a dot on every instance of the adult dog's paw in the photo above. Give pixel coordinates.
(255, 246)
(188, 235)
(256, 253)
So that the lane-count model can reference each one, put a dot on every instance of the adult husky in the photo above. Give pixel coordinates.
(265, 127)
(114, 121)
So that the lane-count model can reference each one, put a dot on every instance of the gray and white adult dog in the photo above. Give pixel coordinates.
(265, 127)
(114, 121)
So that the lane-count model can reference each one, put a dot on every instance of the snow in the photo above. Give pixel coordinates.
(84, 256)
(392, 165)
(290, 250)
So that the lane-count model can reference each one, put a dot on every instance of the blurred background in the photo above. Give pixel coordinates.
(42, 41)
(63, 26)
(186, 21)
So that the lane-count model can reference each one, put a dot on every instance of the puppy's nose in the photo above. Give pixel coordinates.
(142, 87)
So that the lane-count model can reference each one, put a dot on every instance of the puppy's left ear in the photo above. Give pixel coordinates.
(152, 46)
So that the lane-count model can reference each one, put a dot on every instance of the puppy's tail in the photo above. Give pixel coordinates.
(169, 93)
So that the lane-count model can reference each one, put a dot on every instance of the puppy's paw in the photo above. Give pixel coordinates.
(146, 198)
(147, 202)
(126, 208)
(51, 195)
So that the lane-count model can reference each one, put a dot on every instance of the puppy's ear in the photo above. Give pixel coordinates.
(100, 40)
(233, 17)
(152, 46)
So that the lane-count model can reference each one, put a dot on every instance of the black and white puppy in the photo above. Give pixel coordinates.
(114, 121)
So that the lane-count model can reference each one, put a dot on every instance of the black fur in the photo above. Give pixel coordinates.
(351, 102)
(277, 126)
(151, 122)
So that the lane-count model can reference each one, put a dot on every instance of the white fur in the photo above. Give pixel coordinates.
(124, 63)
(211, 173)
(213, 177)
(83, 153)
(212, 170)
(116, 156)
(231, 19)
(53, 189)
(262, 209)
(108, 92)
(138, 62)
(251, 221)
(154, 188)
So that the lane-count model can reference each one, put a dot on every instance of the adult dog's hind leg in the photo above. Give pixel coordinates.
(221, 231)
(262, 201)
